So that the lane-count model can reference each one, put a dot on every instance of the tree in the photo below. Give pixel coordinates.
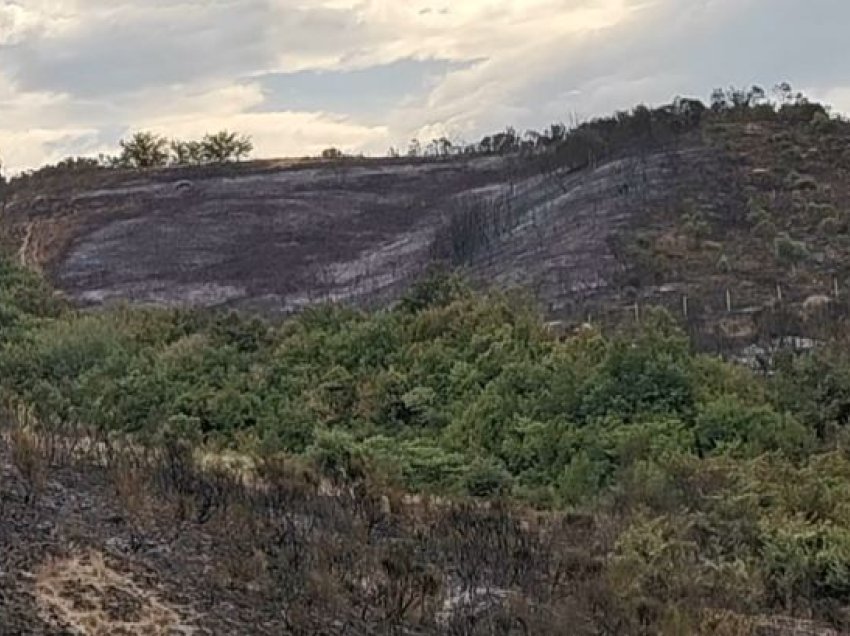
(186, 152)
(784, 93)
(332, 153)
(244, 147)
(225, 146)
(143, 150)
(505, 142)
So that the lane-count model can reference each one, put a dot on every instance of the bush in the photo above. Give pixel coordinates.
(638, 379)
(728, 425)
(807, 562)
(789, 251)
(487, 477)
(335, 455)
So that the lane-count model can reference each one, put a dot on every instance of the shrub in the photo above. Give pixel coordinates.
(436, 289)
(639, 380)
(335, 455)
(790, 251)
(487, 477)
(726, 424)
(807, 562)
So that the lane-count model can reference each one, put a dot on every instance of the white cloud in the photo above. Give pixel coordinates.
(76, 74)
(838, 97)
(20, 21)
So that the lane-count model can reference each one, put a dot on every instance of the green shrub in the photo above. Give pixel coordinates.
(727, 424)
(638, 379)
(584, 478)
(335, 455)
(807, 563)
(487, 477)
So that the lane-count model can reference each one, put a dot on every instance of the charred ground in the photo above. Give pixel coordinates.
(720, 218)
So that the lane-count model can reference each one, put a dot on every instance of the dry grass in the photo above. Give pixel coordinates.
(85, 594)
(28, 458)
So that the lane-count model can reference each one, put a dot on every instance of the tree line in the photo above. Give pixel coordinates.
(557, 146)
(144, 150)
(641, 126)
(149, 150)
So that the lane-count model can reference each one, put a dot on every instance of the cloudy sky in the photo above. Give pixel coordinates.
(300, 75)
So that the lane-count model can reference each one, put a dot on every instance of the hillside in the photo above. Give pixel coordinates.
(279, 238)
(437, 454)
(446, 466)
(740, 212)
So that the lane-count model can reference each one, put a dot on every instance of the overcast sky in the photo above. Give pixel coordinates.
(301, 75)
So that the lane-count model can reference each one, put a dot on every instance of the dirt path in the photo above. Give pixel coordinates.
(23, 251)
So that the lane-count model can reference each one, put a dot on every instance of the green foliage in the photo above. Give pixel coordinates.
(808, 560)
(225, 146)
(706, 485)
(149, 150)
(335, 456)
(797, 181)
(728, 425)
(816, 388)
(143, 150)
(435, 290)
(487, 477)
(25, 299)
(644, 375)
(449, 390)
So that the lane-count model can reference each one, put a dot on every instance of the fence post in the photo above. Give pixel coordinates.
(685, 305)
(779, 292)
(728, 301)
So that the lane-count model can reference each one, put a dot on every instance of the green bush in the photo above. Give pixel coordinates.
(449, 391)
(727, 424)
(807, 562)
(637, 379)
(336, 456)
(487, 477)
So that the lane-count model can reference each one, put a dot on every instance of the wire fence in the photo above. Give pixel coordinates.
(724, 319)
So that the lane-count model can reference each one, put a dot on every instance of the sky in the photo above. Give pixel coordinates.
(363, 75)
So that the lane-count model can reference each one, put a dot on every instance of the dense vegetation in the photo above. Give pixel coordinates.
(726, 489)
(450, 390)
